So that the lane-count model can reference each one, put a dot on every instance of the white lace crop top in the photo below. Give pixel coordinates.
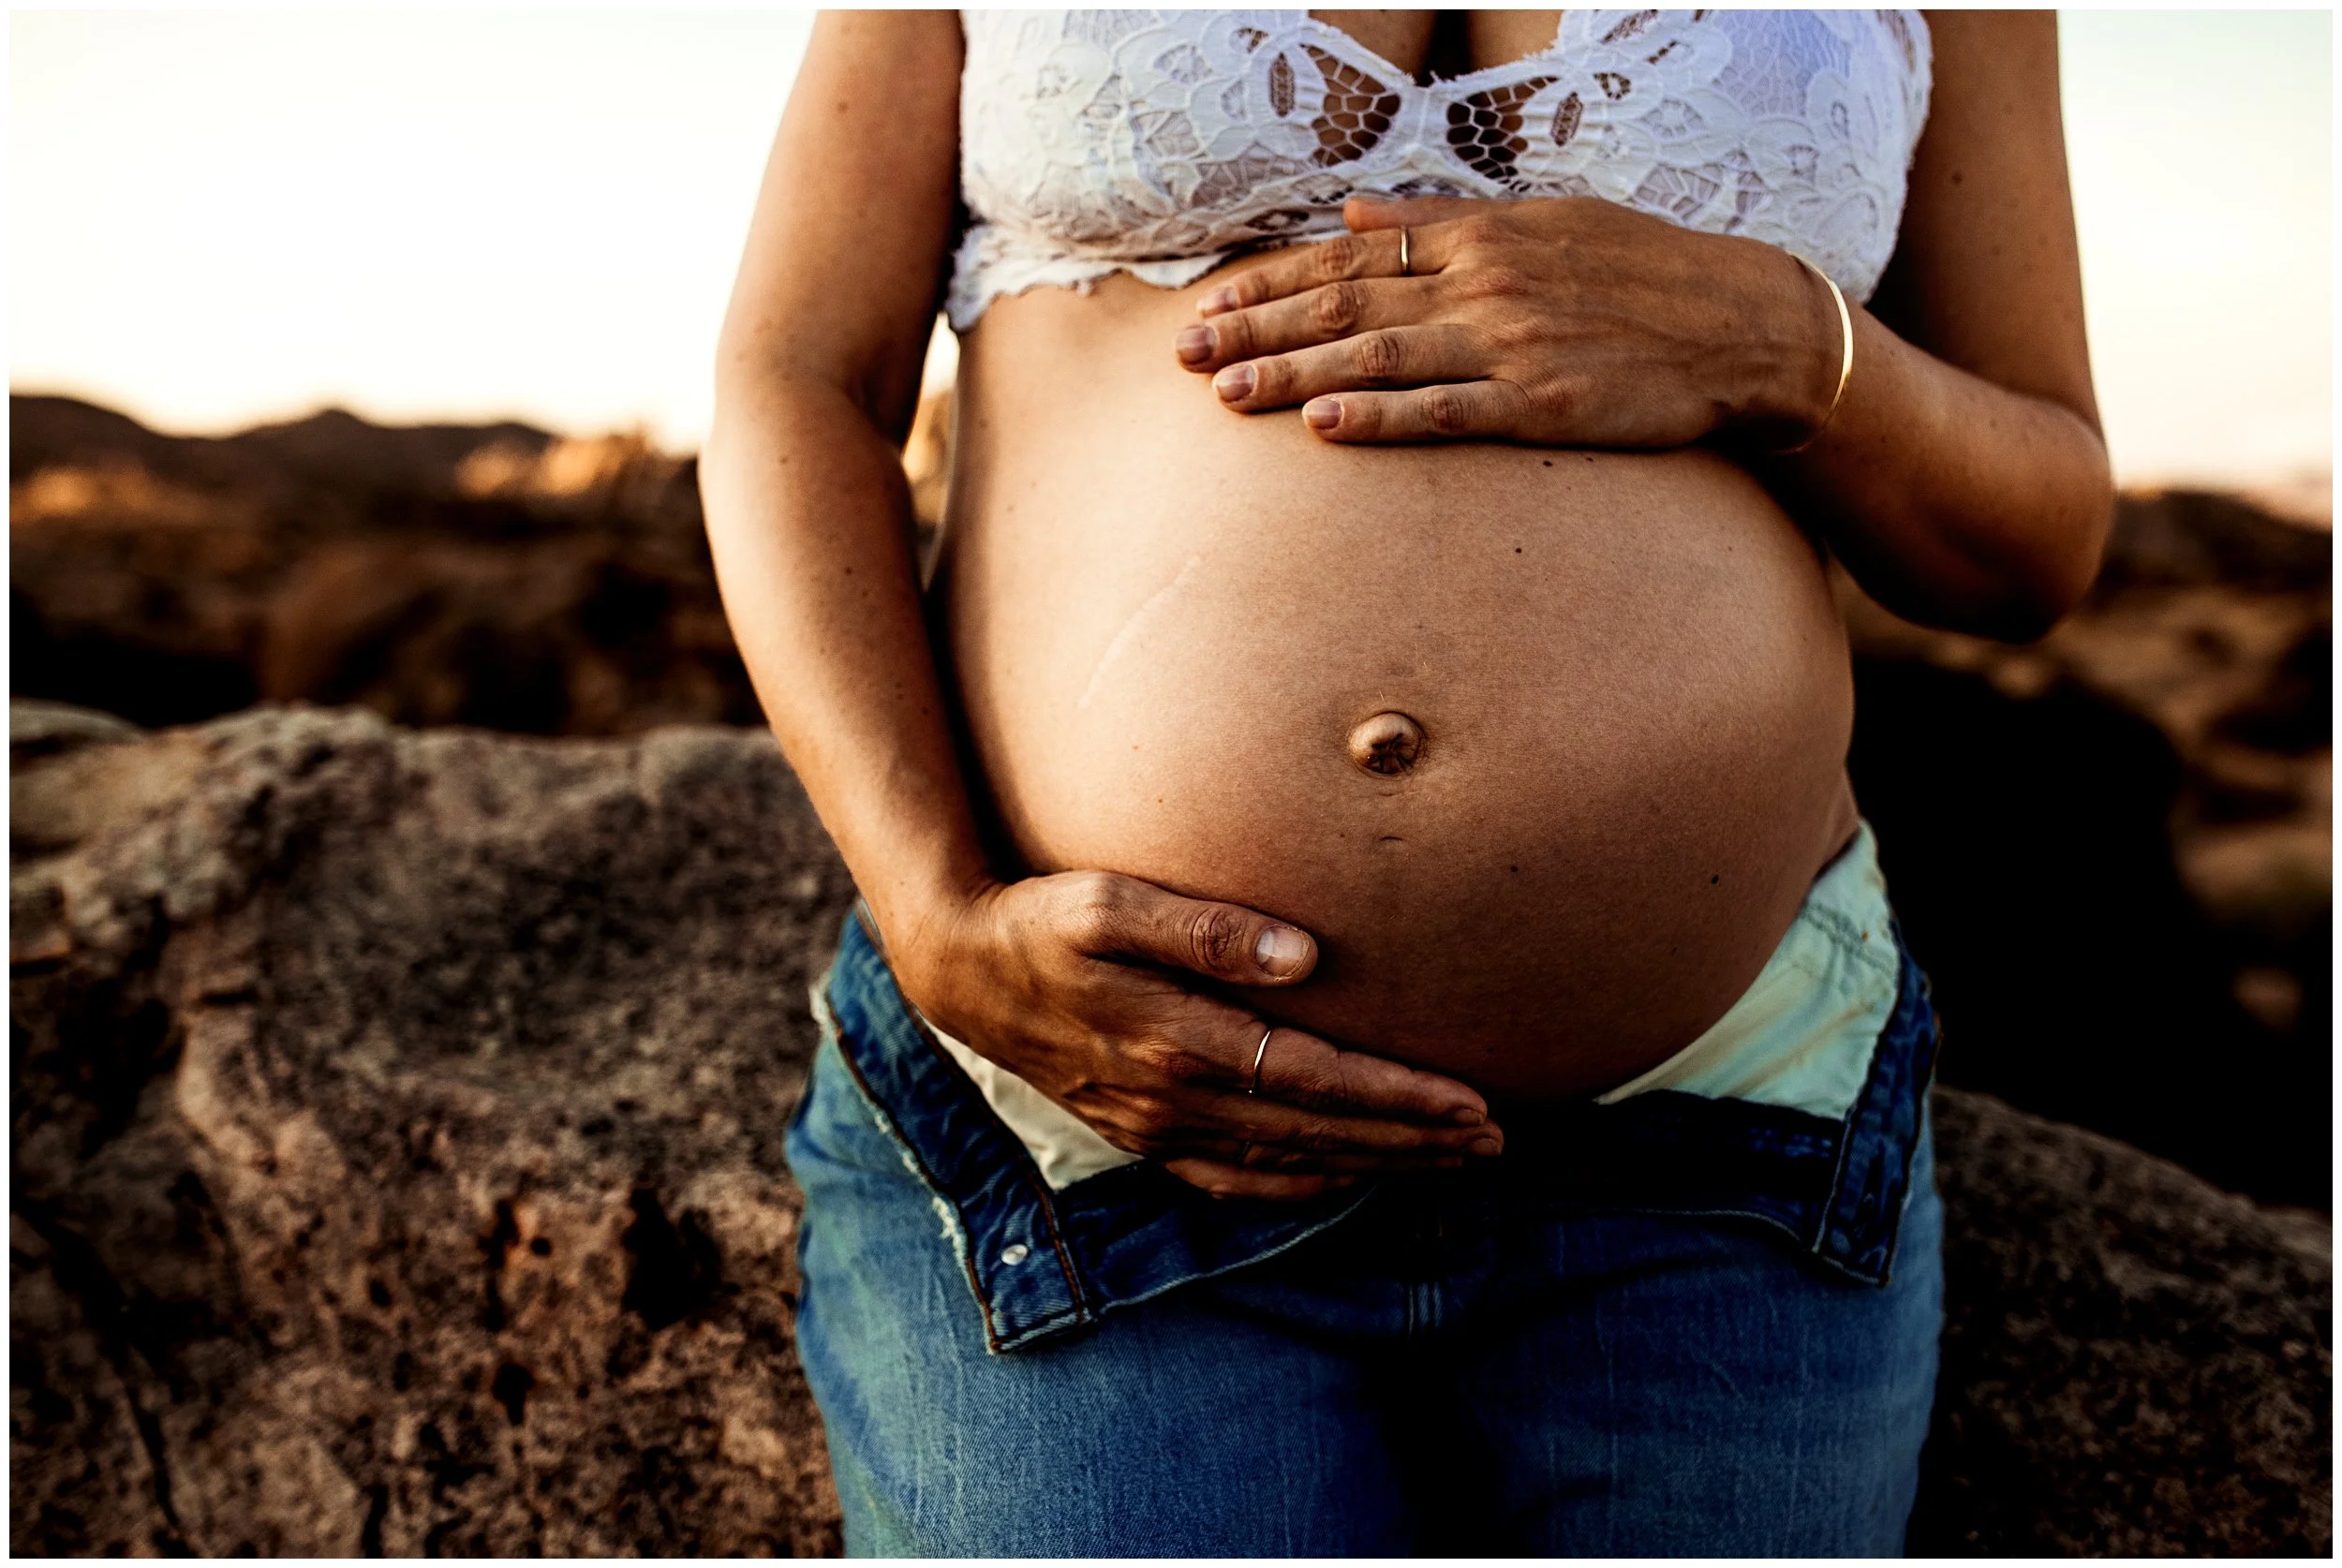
(1161, 142)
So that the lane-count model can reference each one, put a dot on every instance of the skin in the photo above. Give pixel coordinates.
(1164, 627)
(1963, 479)
(1960, 477)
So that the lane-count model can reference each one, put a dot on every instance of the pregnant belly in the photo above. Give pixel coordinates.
(1544, 747)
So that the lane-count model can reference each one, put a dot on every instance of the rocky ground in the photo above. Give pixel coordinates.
(397, 1170)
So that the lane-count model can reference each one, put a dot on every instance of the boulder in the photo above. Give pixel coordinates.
(397, 1170)
(2135, 1364)
(397, 1140)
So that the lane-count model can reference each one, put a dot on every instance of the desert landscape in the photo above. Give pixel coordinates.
(409, 933)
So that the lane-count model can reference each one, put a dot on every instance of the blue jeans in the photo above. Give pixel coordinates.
(1684, 1329)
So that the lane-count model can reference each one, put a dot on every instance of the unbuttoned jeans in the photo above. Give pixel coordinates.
(1476, 1361)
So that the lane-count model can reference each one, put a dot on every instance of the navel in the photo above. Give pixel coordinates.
(1387, 744)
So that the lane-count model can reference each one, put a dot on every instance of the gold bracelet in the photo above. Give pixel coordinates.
(1846, 356)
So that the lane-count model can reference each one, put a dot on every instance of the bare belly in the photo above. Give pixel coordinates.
(1543, 747)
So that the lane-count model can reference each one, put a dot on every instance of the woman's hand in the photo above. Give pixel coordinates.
(1562, 322)
(1068, 982)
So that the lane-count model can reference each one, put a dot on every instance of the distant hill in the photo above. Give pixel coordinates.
(331, 447)
(494, 575)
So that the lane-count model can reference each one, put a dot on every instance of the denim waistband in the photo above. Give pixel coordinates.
(1043, 1263)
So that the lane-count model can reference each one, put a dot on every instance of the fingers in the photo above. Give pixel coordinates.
(1263, 1171)
(1258, 1119)
(1224, 1180)
(1181, 1093)
(1312, 265)
(1462, 410)
(1325, 315)
(1188, 1093)
(1321, 1150)
(1311, 1091)
(1364, 213)
(1408, 357)
(1121, 917)
(1302, 1070)
(1290, 1161)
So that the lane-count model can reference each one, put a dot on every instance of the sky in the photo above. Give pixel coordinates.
(218, 218)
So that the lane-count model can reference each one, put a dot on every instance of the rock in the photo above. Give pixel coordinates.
(2112, 848)
(397, 1129)
(2135, 1364)
(397, 1168)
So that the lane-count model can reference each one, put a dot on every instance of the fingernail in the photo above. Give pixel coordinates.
(1195, 344)
(1466, 1117)
(1323, 413)
(1217, 301)
(1485, 1146)
(1281, 950)
(1234, 382)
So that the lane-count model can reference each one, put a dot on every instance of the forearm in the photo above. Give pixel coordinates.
(808, 515)
(1953, 501)
(1963, 481)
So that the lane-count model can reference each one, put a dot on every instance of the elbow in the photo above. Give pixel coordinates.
(737, 387)
(742, 395)
(2013, 585)
(2049, 581)
(759, 392)
(747, 370)
(2029, 615)
(2047, 562)
(746, 430)
(2009, 554)
(761, 360)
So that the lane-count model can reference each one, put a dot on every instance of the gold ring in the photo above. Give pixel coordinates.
(1258, 1056)
(1406, 253)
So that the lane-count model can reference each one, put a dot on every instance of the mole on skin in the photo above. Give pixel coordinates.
(1388, 743)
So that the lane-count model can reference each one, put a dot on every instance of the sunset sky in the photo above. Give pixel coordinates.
(218, 218)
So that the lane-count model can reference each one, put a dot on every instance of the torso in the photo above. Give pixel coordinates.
(1179, 636)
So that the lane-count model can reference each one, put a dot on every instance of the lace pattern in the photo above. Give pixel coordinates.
(1161, 142)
